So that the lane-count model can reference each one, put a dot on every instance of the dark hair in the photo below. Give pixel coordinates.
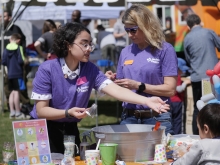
(66, 35)
(52, 23)
(15, 36)
(210, 115)
(100, 27)
(49, 25)
(8, 12)
(192, 20)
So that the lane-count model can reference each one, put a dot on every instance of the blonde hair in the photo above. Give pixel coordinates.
(141, 16)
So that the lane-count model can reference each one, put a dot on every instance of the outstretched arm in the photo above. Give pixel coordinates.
(126, 95)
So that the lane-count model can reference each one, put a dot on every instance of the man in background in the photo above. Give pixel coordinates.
(200, 53)
(106, 42)
(76, 15)
(26, 106)
(120, 35)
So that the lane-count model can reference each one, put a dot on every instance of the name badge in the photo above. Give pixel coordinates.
(128, 62)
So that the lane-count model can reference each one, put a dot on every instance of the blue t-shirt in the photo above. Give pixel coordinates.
(66, 93)
(147, 66)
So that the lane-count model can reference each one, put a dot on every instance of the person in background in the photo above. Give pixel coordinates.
(76, 15)
(14, 59)
(46, 40)
(206, 150)
(177, 101)
(148, 67)
(63, 103)
(200, 53)
(86, 22)
(106, 42)
(13, 29)
(24, 98)
(120, 35)
(168, 29)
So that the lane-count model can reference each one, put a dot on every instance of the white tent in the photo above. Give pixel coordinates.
(51, 11)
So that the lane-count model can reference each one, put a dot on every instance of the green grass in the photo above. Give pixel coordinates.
(107, 114)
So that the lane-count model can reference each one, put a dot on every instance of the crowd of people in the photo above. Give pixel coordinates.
(147, 78)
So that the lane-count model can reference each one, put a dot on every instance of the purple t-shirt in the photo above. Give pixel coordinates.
(66, 93)
(147, 67)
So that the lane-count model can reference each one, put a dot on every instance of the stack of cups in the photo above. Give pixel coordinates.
(92, 157)
(160, 153)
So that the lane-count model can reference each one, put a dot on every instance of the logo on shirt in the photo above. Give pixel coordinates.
(82, 89)
(153, 60)
(81, 80)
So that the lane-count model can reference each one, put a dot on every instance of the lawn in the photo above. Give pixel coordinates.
(107, 114)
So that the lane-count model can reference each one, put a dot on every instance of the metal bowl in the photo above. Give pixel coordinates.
(136, 142)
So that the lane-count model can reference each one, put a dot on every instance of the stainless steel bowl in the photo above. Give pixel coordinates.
(136, 142)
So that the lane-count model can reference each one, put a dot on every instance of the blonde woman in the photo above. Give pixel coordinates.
(148, 66)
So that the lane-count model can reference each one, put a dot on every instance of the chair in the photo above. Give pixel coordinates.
(105, 65)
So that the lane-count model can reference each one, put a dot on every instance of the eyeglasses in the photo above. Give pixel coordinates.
(86, 47)
(132, 30)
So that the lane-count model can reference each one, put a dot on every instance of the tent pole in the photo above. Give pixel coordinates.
(126, 7)
(2, 67)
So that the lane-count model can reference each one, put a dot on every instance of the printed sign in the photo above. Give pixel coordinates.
(31, 142)
(206, 87)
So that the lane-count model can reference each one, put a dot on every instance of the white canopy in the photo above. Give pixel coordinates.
(51, 11)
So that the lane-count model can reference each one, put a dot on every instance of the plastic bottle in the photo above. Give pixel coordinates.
(84, 145)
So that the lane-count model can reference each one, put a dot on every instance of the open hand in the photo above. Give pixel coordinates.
(157, 104)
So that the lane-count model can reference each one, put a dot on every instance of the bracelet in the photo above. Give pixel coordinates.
(67, 115)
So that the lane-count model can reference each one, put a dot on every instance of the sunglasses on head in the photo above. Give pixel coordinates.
(132, 30)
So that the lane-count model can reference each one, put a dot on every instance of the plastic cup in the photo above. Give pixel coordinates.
(108, 153)
(8, 151)
(160, 153)
(92, 110)
(92, 157)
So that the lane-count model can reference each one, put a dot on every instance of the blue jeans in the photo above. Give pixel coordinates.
(164, 119)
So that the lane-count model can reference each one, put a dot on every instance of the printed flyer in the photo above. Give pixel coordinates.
(31, 142)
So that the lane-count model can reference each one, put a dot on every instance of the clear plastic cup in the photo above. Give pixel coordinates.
(8, 151)
(92, 110)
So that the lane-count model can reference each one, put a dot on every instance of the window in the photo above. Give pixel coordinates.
(165, 12)
(182, 15)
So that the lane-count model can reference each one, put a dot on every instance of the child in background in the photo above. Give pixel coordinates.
(206, 150)
(177, 100)
(14, 59)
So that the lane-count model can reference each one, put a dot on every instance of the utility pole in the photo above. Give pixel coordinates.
(2, 67)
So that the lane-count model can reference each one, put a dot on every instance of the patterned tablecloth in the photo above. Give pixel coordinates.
(80, 162)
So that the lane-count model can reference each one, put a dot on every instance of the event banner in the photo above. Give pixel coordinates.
(31, 142)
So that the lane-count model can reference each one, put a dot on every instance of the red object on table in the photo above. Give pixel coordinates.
(157, 126)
